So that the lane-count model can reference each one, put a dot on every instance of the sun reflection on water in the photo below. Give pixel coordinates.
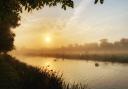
(49, 65)
(97, 74)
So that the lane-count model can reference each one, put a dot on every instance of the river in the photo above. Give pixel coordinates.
(98, 75)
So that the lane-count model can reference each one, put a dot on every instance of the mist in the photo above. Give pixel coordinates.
(101, 47)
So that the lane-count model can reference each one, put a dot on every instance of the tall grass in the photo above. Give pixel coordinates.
(29, 77)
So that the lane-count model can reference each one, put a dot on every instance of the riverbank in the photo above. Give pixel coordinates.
(114, 58)
(17, 75)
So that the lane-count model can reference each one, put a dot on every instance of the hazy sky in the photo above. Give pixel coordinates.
(85, 23)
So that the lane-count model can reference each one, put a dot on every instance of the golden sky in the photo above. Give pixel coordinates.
(85, 23)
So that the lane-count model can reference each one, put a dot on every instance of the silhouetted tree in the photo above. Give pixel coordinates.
(6, 40)
(10, 16)
(104, 44)
(124, 42)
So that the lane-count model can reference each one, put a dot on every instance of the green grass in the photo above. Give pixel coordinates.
(18, 75)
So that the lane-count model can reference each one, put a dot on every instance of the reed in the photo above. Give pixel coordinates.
(25, 76)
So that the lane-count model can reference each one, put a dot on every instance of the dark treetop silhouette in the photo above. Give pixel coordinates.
(101, 1)
(10, 16)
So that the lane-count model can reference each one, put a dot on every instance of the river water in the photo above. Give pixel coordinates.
(98, 75)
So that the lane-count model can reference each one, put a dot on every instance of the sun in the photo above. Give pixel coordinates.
(47, 38)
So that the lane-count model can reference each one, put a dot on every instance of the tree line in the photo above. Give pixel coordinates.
(104, 44)
(10, 11)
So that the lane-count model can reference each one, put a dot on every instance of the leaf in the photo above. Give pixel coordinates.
(95, 1)
(101, 1)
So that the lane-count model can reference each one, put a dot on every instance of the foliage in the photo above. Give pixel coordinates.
(10, 9)
(10, 16)
(6, 39)
(101, 1)
(17, 75)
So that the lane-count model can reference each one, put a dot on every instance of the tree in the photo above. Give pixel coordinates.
(105, 44)
(10, 17)
(6, 40)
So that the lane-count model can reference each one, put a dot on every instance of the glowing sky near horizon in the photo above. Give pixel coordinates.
(85, 23)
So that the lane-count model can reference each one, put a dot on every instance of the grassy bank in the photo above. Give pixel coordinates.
(17, 75)
(115, 58)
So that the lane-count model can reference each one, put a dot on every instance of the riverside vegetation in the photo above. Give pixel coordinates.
(18, 75)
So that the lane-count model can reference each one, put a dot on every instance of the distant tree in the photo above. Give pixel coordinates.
(105, 44)
(124, 43)
(10, 16)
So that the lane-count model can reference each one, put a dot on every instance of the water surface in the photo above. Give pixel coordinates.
(98, 75)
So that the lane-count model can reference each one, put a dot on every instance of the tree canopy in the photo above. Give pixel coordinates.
(10, 9)
(101, 1)
(10, 16)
